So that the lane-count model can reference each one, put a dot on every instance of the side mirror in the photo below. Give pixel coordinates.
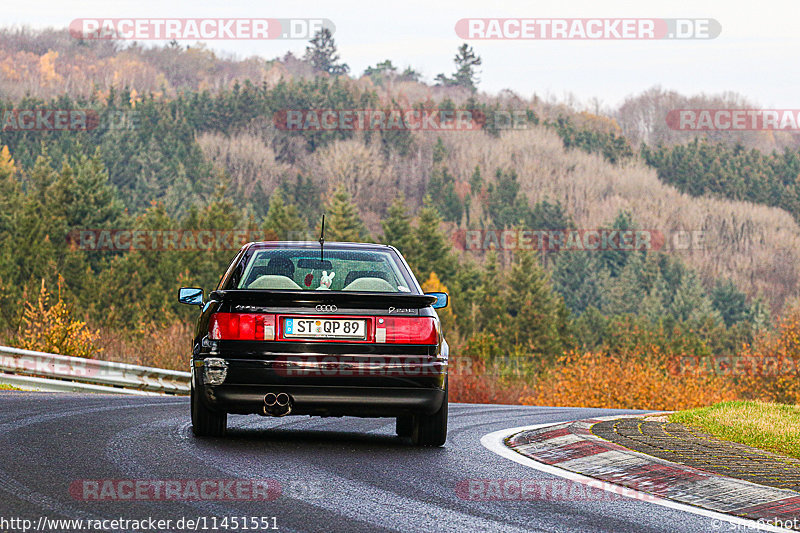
(190, 296)
(441, 299)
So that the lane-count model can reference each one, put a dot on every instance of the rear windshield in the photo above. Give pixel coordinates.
(340, 270)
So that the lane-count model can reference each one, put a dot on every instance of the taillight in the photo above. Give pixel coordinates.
(406, 330)
(242, 327)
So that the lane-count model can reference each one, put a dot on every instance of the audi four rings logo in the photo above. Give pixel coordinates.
(326, 308)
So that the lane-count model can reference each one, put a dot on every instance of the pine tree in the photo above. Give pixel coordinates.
(381, 72)
(9, 212)
(759, 315)
(34, 228)
(322, 54)
(204, 265)
(439, 151)
(283, 220)
(442, 186)
(623, 294)
(137, 286)
(575, 277)
(83, 195)
(590, 328)
(533, 311)
(653, 306)
(490, 309)
(10, 191)
(690, 302)
(41, 178)
(434, 250)
(303, 193)
(398, 231)
(548, 216)
(342, 221)
(730, 302)
(506, 207)
(465, 287)
(466, 60)
(476, 181)
(465, 75)
(614, 260)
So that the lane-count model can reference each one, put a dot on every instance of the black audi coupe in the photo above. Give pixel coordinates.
(325, 329)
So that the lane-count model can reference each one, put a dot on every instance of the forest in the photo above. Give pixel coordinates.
(184, 141)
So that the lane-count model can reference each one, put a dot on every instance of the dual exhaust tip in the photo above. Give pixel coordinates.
(277, 404)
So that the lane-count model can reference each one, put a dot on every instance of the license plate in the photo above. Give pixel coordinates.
(325, 328)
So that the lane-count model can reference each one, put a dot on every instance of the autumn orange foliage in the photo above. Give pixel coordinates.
(629, 381)
(471, 381)
(642, 377)
(51, 327)
(768, 370)
(168, 345)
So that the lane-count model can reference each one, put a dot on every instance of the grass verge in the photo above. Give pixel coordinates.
(7, 387)
(768, 426)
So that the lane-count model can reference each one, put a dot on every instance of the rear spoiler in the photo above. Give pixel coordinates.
(365, 299)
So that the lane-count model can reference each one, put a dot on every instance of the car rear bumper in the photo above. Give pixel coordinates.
(340, 386)
(327, 401)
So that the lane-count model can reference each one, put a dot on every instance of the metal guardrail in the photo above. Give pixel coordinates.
(28, 369)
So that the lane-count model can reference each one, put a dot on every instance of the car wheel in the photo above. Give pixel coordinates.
(404, 426)
(431, 430)
(205, 422)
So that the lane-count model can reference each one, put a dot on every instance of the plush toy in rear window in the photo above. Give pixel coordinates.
(325, 282)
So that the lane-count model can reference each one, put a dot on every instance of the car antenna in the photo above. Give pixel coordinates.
(322, 240)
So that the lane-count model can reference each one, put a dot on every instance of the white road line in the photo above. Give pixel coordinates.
(495, 442)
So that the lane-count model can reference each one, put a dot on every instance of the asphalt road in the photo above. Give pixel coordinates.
(335, 474)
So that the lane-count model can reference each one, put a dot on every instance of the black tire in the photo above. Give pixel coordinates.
(405, 426)
(207, 423)
(431, 430)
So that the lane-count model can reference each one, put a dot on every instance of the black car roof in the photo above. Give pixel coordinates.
(315, 245)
